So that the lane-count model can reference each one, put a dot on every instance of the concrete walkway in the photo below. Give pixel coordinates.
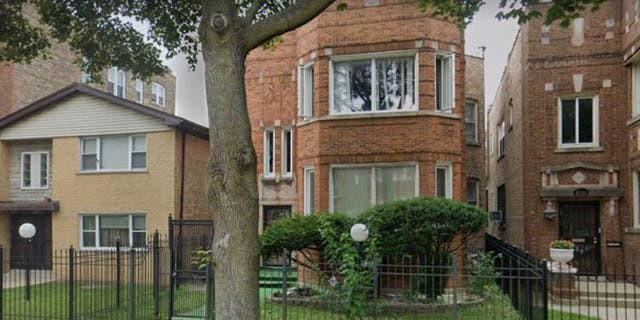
(598, 312)
(16, 278)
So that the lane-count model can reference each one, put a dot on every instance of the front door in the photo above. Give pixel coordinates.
(271, 214)
(36, 253)
(580, 223)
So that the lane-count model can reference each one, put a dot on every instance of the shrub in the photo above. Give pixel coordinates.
(301, 232)
(422, 226)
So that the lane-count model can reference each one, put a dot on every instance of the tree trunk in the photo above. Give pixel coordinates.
(232, 192)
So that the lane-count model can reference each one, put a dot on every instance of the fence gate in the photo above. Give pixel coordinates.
(191, 286)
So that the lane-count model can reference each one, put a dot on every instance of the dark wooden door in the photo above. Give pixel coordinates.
(37, 253)
(580, 223)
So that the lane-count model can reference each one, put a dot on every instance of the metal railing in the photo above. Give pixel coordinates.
(118, 283)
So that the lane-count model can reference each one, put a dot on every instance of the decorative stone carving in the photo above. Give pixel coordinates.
(578, 177)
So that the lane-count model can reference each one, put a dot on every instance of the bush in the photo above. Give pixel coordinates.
(422, 226)
(301, 232)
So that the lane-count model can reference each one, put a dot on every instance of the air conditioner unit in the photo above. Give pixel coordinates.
(497, 216)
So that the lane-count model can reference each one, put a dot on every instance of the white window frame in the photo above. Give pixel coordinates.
(305, 90)
(97, 230)
(140, 90)
(636, 199)
(475, 123)
(308, 190)
(283, 152)
(635, 95)
(476, 183)
(119, 74)
(155, 96)
(265, 151)
(502, 130)
(595, 126)
(373, 167)
(452, 56)
(448, 183)
(374, 83)
(99, 149)
(31, 153)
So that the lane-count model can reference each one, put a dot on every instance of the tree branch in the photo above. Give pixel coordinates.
(286, 20)
(253, 10)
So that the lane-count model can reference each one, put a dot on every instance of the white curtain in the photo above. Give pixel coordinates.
(395, 83)
(115, 152)
(351, 190)
(395, 183)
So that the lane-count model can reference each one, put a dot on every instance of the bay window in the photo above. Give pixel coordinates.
(377, 84)
(309, 191)
(305, 91)
(113, 153)
(356, 188)
(103, 231)
(578, 122)
(444, 181)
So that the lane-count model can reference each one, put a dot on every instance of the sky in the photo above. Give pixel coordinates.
(485, 30)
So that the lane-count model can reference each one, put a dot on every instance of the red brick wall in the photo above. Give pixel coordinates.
(195, 176)
(419, 137)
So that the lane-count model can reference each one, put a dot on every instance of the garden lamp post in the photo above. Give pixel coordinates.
(359, 233)
(27, 231)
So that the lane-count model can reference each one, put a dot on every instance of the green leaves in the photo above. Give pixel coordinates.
(19, 40)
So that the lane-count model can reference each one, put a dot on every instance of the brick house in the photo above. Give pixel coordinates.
(71, 161)
(560, 165)
(21, 84)
(366, 105)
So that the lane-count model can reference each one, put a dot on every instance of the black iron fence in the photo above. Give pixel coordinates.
(117, 283)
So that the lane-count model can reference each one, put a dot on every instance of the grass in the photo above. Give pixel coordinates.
(50, 301)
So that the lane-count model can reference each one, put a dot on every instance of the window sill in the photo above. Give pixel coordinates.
(112, 171)
(277, 178)
(30, 189)
(634, 120)
(500, 157)
(474, 144)
(635, 230)
(578, 149)
(370, 115)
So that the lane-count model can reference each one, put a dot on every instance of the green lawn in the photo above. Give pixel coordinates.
(50, 301)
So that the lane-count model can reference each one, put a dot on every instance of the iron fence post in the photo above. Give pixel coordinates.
(132, 284)
(209, 293)
(156, 273)
(1, 281)
(374, 265)
(545, 297)
(284, 284)
(454, 281)
(71, 284)
(118, 273)
(171, 269)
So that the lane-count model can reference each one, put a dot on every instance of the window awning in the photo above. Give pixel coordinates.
(21, 206)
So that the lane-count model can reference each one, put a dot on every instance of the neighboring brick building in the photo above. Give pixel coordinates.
(21, 84)
(558, 160)
(362, 106)
(87, 168)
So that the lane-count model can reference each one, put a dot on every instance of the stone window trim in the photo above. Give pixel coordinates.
(372, 166)
(415, 113)
(373, 56)
(22, 173)
(595, 144)
(96, 231)
(98, 155)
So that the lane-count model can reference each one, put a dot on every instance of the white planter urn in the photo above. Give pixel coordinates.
(561, 256)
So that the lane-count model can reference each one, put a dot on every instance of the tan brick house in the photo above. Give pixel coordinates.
(21, 84)
(87, 167)
(362, 106)
(562, 139)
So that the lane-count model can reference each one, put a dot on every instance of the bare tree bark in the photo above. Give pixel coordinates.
(232, 192)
